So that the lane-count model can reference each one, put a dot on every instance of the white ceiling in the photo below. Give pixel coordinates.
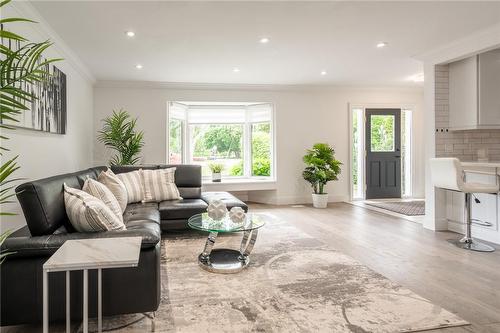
(201, 42)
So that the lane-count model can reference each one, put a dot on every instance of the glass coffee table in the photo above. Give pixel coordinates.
(226, 260)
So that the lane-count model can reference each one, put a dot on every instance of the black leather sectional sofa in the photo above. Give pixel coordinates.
(126, 290)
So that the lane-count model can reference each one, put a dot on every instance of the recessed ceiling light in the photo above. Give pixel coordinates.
(138, 66)
(382, 44)
(264, 40)
(323, 73)
(236, 69)
(130, 33)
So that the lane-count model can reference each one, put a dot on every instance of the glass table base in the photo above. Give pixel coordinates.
(224, 261)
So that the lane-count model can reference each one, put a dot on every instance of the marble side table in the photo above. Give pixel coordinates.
(85, 254)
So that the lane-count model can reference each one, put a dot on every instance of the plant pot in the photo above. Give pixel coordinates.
(216, 177)
(320, 200)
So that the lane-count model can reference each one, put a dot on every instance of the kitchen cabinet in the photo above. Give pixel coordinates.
(474, 97)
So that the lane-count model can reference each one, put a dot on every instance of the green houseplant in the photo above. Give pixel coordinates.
(119, 133)
(321, 167)
(18, 69)
(216, 169)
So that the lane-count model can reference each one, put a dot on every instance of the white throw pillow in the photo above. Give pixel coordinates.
(88, 213)
(134, 185)
(116, 186)
(100, 191)
(159, 185)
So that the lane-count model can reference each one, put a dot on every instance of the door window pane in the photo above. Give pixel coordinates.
(382, 133)
(175, 141)
(221, 144)
(261, 149)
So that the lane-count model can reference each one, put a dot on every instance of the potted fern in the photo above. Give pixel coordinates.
(119, 133)
(216, 169)
(321, 167)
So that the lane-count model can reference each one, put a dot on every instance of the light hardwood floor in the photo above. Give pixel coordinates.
(466, 283)
(463, 282)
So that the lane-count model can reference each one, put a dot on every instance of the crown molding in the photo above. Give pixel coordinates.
(475, 43)
(25, 9)
(127, 84)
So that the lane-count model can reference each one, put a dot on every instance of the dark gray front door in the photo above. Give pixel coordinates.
(383, 153)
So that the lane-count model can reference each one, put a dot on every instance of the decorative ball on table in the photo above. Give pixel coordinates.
(237, 215)
(217, 209)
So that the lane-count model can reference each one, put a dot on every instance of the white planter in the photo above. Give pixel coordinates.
(216, 177)
(320, 200)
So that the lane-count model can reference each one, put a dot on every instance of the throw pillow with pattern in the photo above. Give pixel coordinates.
(88, 213)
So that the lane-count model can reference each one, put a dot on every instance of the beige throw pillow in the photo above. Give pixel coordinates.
(88, 213)
(159, 185)
(100, 191)
(133, 184)
(116, 186)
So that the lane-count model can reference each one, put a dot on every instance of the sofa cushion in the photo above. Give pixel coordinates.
(100, 191)
(116, 186)
(141, 212)
(88, 213)
(42, 202)
(181, 209)
(159, 185)
(229, 199)
(186, 175)
(134, 185)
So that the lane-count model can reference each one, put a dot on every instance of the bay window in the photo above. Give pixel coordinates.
(238, 136)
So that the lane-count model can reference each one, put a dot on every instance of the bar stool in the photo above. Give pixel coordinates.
(447, 173)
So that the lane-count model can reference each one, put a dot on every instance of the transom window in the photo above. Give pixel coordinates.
(237, 135)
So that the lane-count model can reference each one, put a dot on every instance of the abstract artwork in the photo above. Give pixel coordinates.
(47, 111)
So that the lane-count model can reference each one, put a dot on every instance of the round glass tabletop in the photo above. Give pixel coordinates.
(205, 223)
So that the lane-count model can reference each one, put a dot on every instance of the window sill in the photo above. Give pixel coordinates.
(240, 184)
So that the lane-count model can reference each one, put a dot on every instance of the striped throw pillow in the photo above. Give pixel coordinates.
(159, 185)
(88, 213)
(100, 191)
(133, 184)
(116, 186)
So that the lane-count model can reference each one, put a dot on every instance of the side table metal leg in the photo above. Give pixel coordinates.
(251, 243)
(205, 255)
(85, 301)
(99, 300)
(68, 312)
(45, 302)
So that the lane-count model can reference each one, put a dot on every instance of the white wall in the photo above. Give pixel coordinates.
(44, 154)
(304, 116)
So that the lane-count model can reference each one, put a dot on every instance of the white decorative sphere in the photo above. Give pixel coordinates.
(216, 209)
(237, 215)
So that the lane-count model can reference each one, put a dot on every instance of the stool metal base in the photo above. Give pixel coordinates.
(471, 244)
(224, 261)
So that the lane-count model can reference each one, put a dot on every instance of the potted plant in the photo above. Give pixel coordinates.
(216, 169)
(119, 133)
(321, 167)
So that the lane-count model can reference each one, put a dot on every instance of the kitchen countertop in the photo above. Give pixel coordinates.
(489, 164)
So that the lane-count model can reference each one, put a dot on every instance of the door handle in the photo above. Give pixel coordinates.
(397, 156)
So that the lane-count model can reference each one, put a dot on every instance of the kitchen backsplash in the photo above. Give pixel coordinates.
(461, 144)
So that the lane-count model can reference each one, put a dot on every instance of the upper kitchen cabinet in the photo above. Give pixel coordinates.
(474, 88)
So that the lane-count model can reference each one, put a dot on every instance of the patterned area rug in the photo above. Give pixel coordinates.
(409, 208)
(294, 283)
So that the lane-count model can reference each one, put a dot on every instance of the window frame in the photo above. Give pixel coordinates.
(246, 140)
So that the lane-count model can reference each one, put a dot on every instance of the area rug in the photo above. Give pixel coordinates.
(409, 208)
(295, 283)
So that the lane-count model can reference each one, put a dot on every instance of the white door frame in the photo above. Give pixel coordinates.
(364, 106)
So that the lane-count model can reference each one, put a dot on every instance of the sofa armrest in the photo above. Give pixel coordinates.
(46, 245)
